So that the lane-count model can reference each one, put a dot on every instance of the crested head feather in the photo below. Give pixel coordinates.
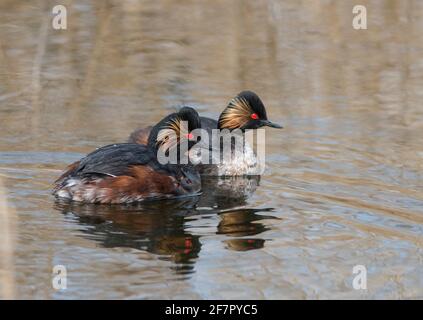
(236, 114)
(170, 134)
(173, 128)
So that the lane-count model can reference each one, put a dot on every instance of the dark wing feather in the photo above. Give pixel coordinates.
(114, 160)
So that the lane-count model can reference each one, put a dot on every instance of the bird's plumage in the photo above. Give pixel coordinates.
(129, 172)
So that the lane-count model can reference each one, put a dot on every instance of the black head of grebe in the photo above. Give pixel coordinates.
(141, 135)
(174, 122)
(245, 111)
(129, 172)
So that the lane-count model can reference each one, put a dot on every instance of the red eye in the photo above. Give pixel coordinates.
(190, 136)
(254, 116)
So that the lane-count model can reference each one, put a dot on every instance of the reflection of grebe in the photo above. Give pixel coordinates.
(129, 172)
(244, 244)
(155, 227)
(227, 192)
(241, 223)
(245, 111)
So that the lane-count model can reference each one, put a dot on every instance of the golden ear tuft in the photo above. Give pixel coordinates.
(236, 114)
(170, 135)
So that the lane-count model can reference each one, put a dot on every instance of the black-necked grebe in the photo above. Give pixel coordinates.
(129, 172)
(245, 111)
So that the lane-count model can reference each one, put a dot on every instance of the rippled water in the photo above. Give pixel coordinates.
(343, 185)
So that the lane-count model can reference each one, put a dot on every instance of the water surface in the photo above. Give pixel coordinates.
(343, 184)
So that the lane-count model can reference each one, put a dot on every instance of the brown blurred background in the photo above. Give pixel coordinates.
(344, 177)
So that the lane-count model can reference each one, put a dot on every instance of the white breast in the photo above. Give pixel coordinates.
(242, 161)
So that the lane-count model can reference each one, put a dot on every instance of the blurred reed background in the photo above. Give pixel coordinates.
(344, 175)
(7, 243)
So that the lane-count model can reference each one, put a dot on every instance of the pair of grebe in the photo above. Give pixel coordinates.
(131, 172)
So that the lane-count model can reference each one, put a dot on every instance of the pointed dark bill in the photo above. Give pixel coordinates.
(271, 124)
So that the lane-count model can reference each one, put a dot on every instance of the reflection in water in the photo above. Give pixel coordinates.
(244, 244)
(159, 227)
(223, 193)
(345, 175)
(241, 223)
(156, 227)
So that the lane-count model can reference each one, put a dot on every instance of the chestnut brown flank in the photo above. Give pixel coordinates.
(142, 181)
